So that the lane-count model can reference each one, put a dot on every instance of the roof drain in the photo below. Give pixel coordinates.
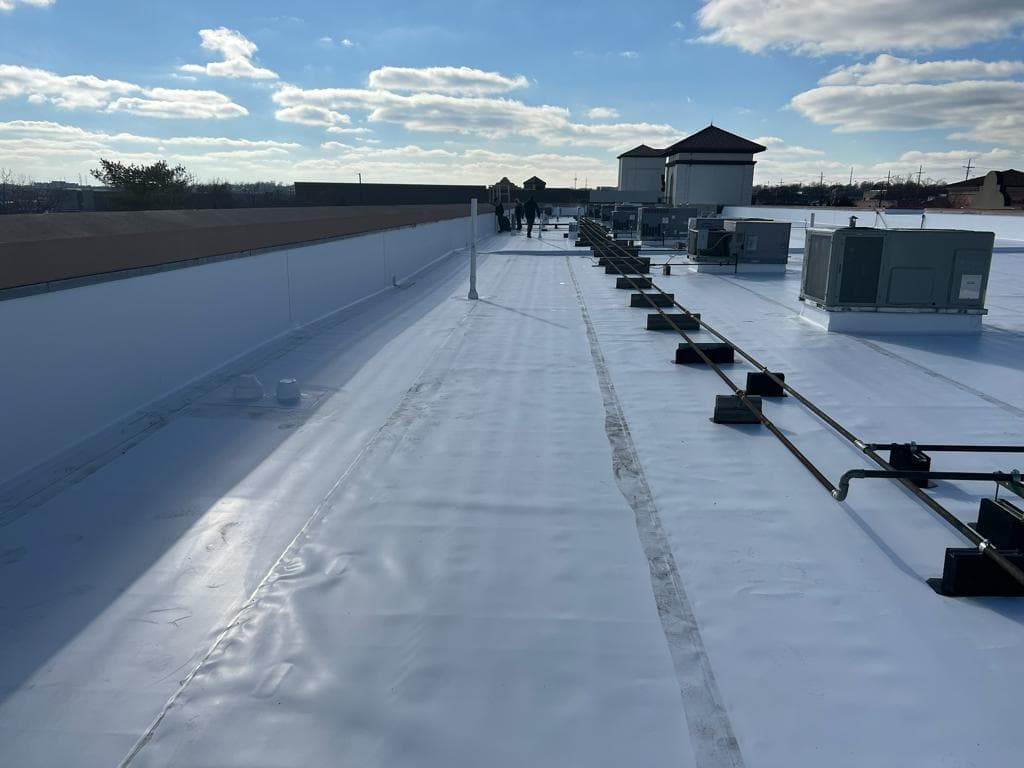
(1011, 569)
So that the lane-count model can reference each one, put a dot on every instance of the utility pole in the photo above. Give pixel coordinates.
(821, 179)
(574, 181)
(851, 175)
(919, 169)
(968, 167)
(360, 177)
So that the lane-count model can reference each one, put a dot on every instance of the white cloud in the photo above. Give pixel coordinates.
(678, 25)
(236, 51)
(307, 114)
(490, 117)
(460, 81)
(170, 102)
(47, 150)
(337, 129)
(65, 91)
(891, 69)
(831, 26)
(948, 165)
(409, 152)
(72, 133)
(90, 92)
(1004, 129)
(471, 166)
(887, 94)
(602, 113)
(793, 163)
(629, 54)
(345, 43)
(10, 5)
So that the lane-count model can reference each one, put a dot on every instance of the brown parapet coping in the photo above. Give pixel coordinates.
(43, 248)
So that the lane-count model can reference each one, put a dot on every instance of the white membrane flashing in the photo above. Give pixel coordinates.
(741, 268)
(891, 322)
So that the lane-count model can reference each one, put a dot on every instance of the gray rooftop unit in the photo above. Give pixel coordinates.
(760, 241)
(697, 232)
(738, 241)
(665, 221)
(624, 218)
(928, 270)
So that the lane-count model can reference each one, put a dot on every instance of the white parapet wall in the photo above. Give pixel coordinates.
(1008, 226)
(78, 361)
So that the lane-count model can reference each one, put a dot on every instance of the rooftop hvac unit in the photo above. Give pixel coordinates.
(757, 244)
(666, 222)
(761, 241)
(624, 218)
(926, 270)
(697, 232)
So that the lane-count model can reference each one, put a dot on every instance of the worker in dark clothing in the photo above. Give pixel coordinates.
(519, 214)
(530, 209)
(499, 211)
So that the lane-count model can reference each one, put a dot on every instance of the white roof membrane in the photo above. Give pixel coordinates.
(509, 534)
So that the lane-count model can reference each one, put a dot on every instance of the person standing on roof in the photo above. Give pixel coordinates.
(519, 214)
(530, 209)
(499, 212)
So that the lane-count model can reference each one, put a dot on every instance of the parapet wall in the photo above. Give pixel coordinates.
(1007, 226)
(45, 249)
(80, 360)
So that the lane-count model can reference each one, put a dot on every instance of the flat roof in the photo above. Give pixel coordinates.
(509, 534)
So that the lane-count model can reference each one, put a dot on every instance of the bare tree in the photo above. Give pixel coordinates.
(6, 179)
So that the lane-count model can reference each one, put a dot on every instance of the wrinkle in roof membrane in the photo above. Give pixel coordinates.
(711, 733)
(474, 595)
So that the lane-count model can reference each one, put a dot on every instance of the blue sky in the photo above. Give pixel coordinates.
(469, 91)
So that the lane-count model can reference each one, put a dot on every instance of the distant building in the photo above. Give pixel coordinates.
(353, 193)
(996, 189)
(503, 191)
(711, 166)
(506, 192)
(642, 169)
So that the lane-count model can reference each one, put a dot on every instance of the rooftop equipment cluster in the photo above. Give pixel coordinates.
(994, 564)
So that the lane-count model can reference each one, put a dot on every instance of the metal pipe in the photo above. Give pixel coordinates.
(951, 448)
(841, 493)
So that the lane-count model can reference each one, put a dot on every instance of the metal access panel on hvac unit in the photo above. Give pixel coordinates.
(914, 269)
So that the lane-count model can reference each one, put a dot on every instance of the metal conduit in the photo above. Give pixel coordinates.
(940, 448)
(596, 233)
(996, 477)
